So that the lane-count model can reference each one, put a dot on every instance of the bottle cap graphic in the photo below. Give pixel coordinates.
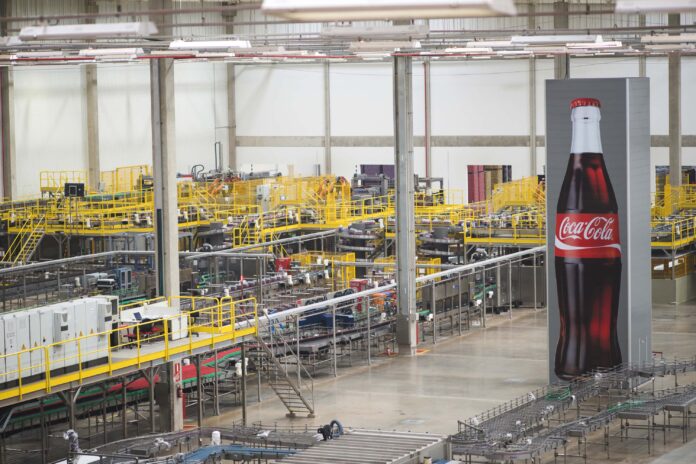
(585, 102)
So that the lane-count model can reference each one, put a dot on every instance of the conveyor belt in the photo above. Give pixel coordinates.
(367, 447)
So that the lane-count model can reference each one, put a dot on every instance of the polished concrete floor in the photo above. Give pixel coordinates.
(454, 379)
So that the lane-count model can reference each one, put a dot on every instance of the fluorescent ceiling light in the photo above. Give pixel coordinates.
(554, 39)
(10, 41)
(544, 50)
(410, 31)
(514, 53)
(668, 39)
(595, 45)
(469, 50)
(97, 52)
(489, 43)
(383, 45)
(645, 6)
(267, 49)
(340, 10)
(209, 44)
(669, 47)
(171, 53)
(88, 31)
(46, 54)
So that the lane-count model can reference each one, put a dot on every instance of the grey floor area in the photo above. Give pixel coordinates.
(454, 379)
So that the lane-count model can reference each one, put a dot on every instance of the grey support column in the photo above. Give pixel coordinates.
(675, 127)
(405, 222)
(169, 396)
(9, 154)
(532, 117)
(532, 98)
(228, 17)
(428, 119)
(643, 59)
(232, 117)
(164, 169)
(327, 119)
(90, 114)
(561, 63)
(165, 22)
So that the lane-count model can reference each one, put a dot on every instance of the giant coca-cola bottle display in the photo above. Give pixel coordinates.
(587, 253)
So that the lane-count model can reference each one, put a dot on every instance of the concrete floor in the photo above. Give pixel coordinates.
(454, 379)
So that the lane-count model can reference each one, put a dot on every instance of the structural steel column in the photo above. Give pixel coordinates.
(91, 122)
(165, 22)
(643, 59)
(428, 119)
(9, 155)
(531, 24)
(405, 221)
(561, 63)
(7, 146)
(232, 118)
(327, 119)
(164, 170)
(675, 128)
(532, 117)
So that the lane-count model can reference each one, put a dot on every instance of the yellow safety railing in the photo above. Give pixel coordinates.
(673, 233)
(53, 182)
(80, 358)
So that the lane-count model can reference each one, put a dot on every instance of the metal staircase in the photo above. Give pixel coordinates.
(25, 243)
(297, 394)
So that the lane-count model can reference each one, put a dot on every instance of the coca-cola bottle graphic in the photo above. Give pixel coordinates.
(587, 253)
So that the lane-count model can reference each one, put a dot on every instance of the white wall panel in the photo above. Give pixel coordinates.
(347, 161)
(659, 95)
(688, 95)
(480, 98)
(48, 123)
(361, 99)
(304, 160)
(125, 134)
(280, 100)
(199, 123)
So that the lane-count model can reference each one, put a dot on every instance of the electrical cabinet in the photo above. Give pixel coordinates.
(36, 355)
(11, 364)
(2, 351)
(61, 333)
(46, 320)
(178, 327)
(22, 324)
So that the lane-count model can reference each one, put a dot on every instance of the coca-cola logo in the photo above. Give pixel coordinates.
(585, 235)
(599, 228)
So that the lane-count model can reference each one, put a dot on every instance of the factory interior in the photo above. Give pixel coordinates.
(347, 231)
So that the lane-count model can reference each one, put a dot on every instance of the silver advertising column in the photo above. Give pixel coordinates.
(598, 224)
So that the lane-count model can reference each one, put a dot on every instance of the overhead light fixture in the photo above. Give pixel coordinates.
(489, 43)
(670, 47)
(10, 41)
(514, 53)
(265, 50)
(383, 45)
(209, 44)
(42, 54)
(88, 31)
(596, 45)
(469, 50)
(341, 10)
(111, 52)
(408, 31)
(659, 6)
(668, 39)
(547, 50)
(554, 39)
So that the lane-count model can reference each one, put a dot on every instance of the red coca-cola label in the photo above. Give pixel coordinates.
(587, 235)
